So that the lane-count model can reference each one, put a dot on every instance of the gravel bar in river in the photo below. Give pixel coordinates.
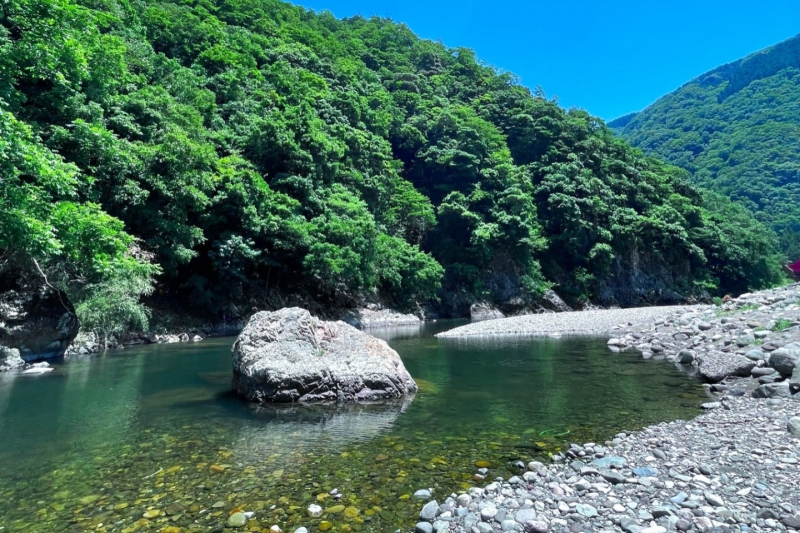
(735, 469)
(599, 321)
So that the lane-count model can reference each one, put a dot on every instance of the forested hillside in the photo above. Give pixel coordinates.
(252, 152)
(737, 130)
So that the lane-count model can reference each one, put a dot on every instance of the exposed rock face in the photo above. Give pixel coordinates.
(288, 355)
(553, 301)
(35, 319)
(484, 311)
(10, 359)
(641, 278)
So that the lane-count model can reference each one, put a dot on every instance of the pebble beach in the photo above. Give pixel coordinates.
(735, 468)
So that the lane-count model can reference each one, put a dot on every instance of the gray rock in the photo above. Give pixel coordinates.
(483, 527)
(488, 513)
(629, 525)
(441, 525)
(422, 494)
(429, 511)
(484, 311)
(582, 484)
(755, 355)
(772, 390)
(784, 360)
(288, 355)
(613, 477)
(525, 515)
(509, 525)
(586, 510)
(745, 340)
(535, 526)
(423, 527)
(375, 316)
(760, 371)
(794, 425)
(716, 366)
(685, 357)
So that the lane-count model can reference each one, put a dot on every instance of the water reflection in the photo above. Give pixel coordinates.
(322, 427)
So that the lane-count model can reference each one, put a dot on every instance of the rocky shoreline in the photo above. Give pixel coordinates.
(593, 322)
(733, 469)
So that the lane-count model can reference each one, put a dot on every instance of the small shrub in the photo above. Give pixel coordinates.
(781, 324)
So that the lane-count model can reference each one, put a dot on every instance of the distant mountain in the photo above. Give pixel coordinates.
(737, 130)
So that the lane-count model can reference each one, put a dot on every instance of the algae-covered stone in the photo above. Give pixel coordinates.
(288, 355)
(237, 520)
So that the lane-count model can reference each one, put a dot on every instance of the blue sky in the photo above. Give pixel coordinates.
(610, 57)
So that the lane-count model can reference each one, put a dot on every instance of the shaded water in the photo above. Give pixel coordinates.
(101, 443)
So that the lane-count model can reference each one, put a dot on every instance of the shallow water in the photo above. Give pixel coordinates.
(99, 442)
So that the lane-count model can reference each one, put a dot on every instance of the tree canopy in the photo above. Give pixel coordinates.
(737, 130)
(256, 147)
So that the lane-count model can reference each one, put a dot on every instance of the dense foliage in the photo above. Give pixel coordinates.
(737, 130)
(258, 148)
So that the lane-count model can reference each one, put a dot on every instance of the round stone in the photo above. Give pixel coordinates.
(237, 520)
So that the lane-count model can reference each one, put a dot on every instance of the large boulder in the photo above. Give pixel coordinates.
(784, 360)
(289, 356)
(35, 319)
(713, 367)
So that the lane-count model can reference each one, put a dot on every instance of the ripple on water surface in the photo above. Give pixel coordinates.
(149, 439)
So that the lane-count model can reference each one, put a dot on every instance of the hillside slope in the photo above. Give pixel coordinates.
(263, 154)
(737, 130)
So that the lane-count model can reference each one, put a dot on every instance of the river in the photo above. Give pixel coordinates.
(150, 438)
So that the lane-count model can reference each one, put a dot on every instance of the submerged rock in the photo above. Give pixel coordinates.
(288, 355)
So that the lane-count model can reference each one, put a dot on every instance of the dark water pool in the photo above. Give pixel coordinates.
(149, 439)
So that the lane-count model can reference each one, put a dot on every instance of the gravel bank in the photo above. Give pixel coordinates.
(574, 322)
(735, 468)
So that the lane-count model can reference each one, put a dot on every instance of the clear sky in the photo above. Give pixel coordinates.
(610, 57)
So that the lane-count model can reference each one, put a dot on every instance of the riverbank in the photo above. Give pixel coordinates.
(734, 468)
(594, 322)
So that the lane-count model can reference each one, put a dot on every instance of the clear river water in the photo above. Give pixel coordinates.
(150, 438)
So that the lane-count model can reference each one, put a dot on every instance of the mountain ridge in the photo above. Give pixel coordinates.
(736, 129)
